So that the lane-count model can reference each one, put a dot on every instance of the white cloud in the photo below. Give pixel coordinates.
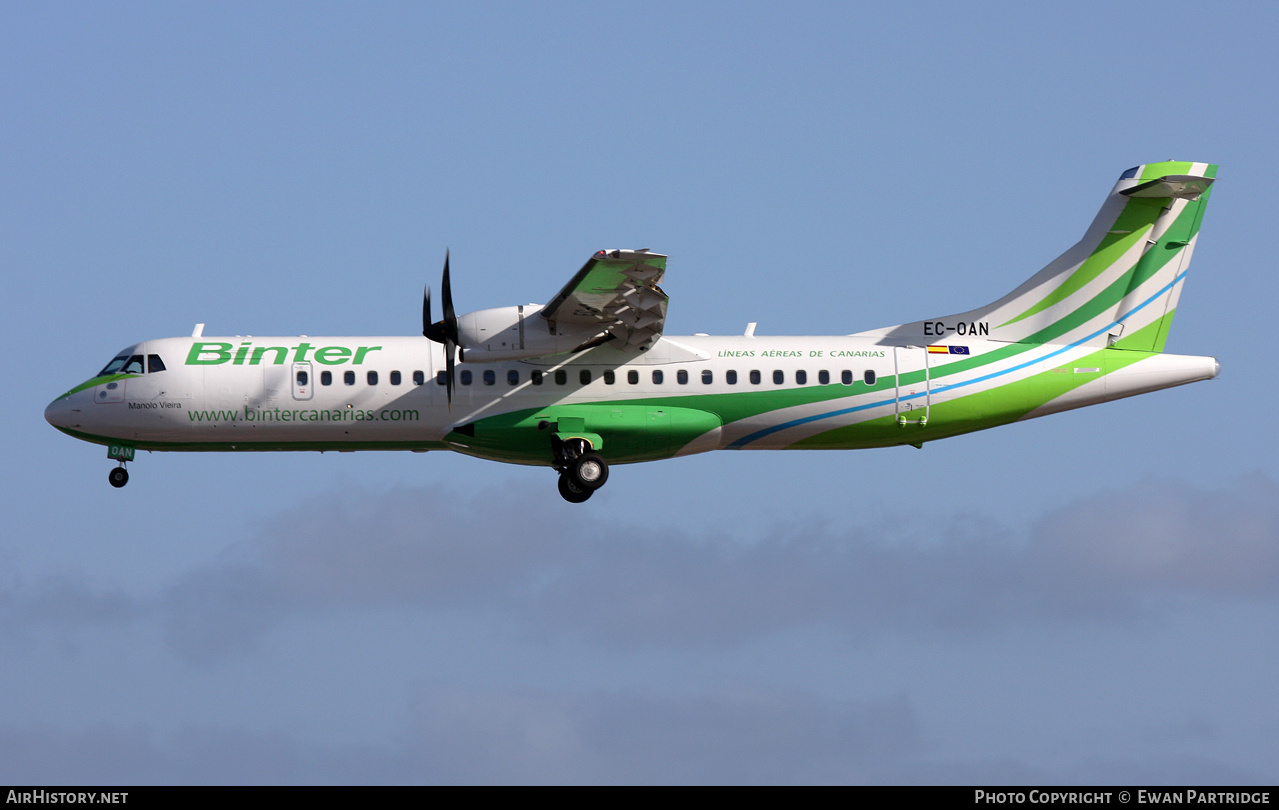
(1096, 560)
(1100, 559)
(1169, 536)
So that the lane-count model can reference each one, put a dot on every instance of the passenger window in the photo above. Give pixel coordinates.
(395, 378)
(609, 378)
(513, 377)
(466, 377)
(801, 378)
(561, 377)
(730, 377)
(303, 377)
(584, 377)
(536, 377)
(779, 377)
(632, 377)
(134, 366)
(823, 377)
(708, 377)
(154, 363)
(657, 378)
(372, 378)
(755, 378)
(349, 378)
(846, 377)
(326, 378)
(490, 376)
(681, 377)
(868, 377)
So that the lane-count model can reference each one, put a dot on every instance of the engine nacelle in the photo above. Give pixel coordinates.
(515, 333)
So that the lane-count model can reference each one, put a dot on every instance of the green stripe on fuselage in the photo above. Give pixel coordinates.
(247, 445)
(983, 409)
(637, 430)
(106, 378)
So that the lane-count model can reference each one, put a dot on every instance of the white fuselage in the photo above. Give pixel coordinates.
(339, 393)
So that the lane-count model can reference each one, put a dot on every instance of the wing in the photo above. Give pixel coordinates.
(613, 297)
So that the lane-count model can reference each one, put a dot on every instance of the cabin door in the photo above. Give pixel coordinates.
(914, 385)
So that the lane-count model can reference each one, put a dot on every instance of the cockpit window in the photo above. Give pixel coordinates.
(132, 364)
(114, 366)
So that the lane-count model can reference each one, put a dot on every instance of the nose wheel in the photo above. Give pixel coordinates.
(118, 476)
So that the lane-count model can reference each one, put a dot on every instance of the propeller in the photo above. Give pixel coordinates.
(443, 331)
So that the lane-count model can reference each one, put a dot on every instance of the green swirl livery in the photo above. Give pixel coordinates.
(589, 379)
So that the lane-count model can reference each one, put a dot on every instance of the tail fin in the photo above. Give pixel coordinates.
(1118, 286)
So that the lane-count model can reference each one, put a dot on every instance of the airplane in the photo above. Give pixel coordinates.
(589, 379)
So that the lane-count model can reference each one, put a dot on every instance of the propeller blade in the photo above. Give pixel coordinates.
(445, 330)
(449, 348)
(426, 311)
(450, 317)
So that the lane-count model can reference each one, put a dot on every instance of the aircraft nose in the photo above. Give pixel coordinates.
(61, 414)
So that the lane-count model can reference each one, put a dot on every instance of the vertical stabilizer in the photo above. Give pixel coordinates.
(1118, 286)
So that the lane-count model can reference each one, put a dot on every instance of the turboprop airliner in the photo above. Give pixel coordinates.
(589, 379)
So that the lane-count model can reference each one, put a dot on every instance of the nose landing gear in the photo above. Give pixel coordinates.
(121, 453)
(582, 470)
(118, 476)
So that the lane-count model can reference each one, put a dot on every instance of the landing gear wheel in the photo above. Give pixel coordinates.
(118, 477)
(571, 491)
(589, 471)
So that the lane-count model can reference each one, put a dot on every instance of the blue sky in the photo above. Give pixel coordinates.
(1091, 597)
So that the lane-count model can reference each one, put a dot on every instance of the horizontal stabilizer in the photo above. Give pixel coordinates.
(1174, 186)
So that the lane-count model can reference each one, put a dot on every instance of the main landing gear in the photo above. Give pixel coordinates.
(118, 476)
(582, 470)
